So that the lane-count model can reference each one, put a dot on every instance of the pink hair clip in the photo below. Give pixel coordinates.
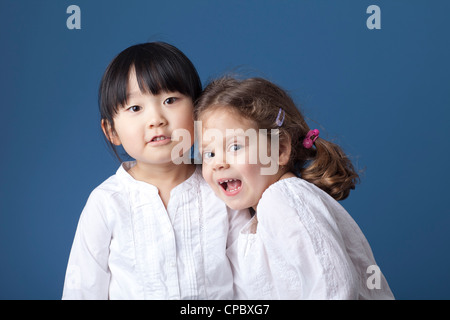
(310, 138)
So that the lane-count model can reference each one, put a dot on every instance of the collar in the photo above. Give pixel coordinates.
(190, 183)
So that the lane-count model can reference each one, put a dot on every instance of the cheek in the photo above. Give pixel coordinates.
(127, 133)
(185, 119)
(126, 125)
(254, 180)
(250, 173)
(207, 174)
(186, 124)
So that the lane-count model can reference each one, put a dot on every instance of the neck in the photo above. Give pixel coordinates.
(286, 175)
(280, 176)
(162, 175)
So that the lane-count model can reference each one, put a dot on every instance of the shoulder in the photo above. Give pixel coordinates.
(307, 219)
(297, 201)
(112, 189)
(105, 201)
(298, 192)
(284, 192)
(116, 188)
(292, 185)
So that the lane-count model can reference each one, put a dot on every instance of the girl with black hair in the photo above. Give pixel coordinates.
(154, 230)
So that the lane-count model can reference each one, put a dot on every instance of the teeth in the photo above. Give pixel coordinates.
(224, 181)
(230, 180)
(159, 138)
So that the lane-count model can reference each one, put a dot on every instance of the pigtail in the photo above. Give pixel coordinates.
(330, 169)
(270, 107)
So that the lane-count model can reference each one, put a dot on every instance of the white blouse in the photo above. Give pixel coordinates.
(128, 246)
(302, 244)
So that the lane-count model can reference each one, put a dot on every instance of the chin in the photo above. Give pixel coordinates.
(235, 206)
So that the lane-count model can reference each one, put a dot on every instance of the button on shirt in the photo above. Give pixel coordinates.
(128, 246)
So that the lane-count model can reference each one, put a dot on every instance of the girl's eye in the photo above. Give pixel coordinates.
(208, 155)
(170, 100)
(235, 147)
(135, 108)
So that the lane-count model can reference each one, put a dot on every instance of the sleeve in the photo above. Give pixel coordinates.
(305, 251)
(87, 274)
(237, 219)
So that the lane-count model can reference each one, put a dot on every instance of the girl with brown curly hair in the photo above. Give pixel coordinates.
(300, 242)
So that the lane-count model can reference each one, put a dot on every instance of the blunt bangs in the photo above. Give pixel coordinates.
(158, 66)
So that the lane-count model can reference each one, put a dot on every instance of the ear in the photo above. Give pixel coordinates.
(110, 134)
(285, 150)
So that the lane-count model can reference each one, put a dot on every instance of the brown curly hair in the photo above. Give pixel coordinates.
(257, 99)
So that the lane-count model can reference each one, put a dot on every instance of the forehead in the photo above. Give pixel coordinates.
(222, 124)
(223, 118)
(132, 84)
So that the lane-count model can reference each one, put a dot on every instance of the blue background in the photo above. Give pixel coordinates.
(383, 95)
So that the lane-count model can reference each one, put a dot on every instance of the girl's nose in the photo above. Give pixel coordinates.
(220, 163)
(157, 119)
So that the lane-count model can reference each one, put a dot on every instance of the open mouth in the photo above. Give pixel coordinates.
(159, 139)
(231, 186)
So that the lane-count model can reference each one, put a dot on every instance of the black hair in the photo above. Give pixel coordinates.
(159, 66)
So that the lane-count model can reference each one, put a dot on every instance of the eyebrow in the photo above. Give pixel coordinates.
(225, 139)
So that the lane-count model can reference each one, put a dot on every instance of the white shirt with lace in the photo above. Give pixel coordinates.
(302, 244)
(128, 246)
